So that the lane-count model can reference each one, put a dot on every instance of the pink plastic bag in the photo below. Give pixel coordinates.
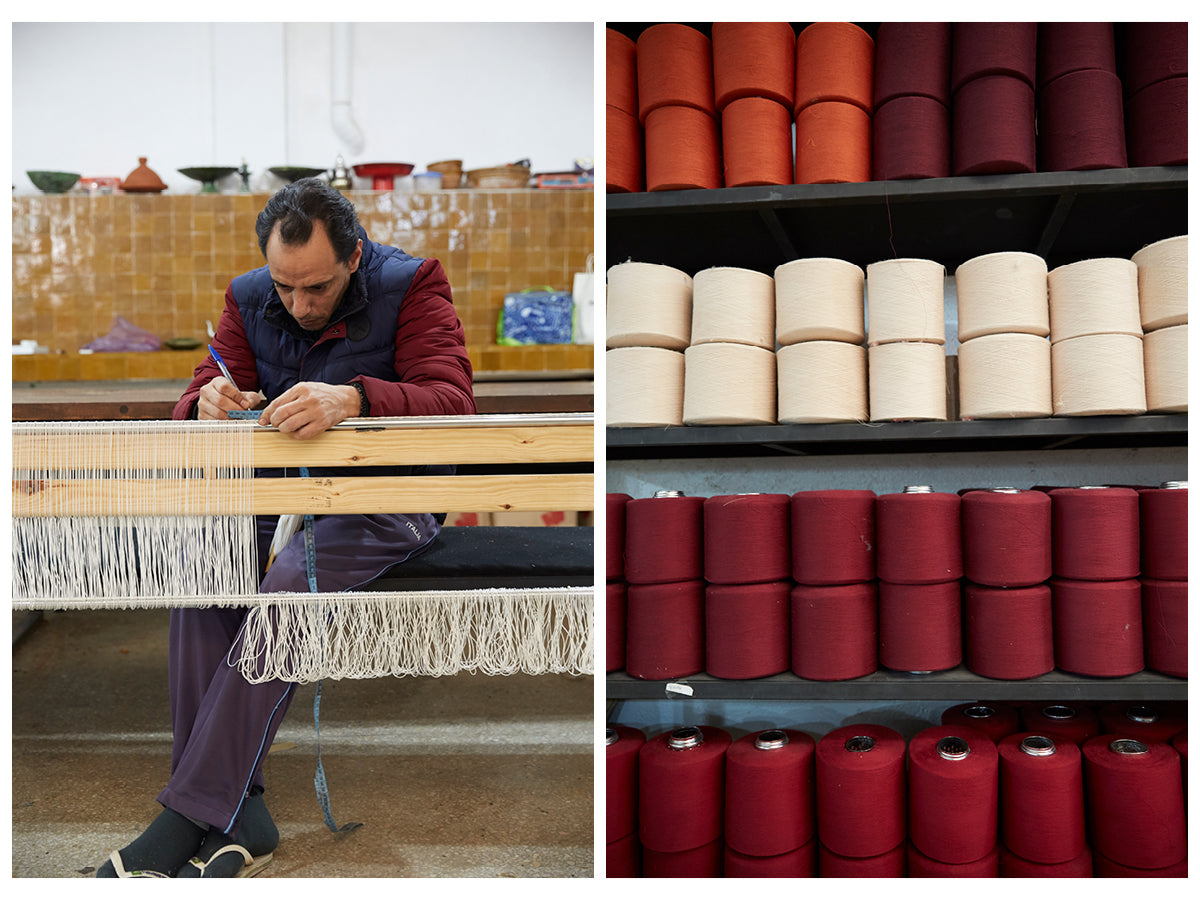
(125, 337)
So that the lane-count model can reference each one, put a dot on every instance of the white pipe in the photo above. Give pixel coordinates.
(344, 125)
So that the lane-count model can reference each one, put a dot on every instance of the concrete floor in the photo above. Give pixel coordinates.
(465, 776)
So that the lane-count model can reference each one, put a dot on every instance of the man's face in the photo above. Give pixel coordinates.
(308, 278)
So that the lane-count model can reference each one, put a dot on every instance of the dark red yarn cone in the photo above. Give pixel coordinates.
(1163, 522)
(1041, 799)
(833, 536)
(614, 535)
(1164, 625)
(981, 49)
(912, 59)
(996, 720)
(861, 792)
(834, 631)
(1151, 52)
(1098, 627)
(1156, 124)
(993, 127)
(1009, 631)
(664, 539)
(1143, 720)
(665, 630)
(910, 138)
(1006, 537)
(1096, 533)
(747, 629)
(747, 538)
(1107, 868)
(620, 782)
(922, 866)
(681, 804)
(1013, 866)
(952, 803)
(1135, 803)
(615, 602)
(920, 626)
(770, 793)
(700, 862)
(919, 538)
(1065, 47)
(1081, 123)
(623, 858)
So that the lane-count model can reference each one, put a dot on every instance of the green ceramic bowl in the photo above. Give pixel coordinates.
(53, 182)
(295, 173)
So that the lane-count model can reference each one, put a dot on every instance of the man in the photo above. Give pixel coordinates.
(334, 326)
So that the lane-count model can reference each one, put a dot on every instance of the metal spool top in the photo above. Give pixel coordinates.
(860, 743)
(659, 495)
(610, 736)
(771, 740)
(953, 748)
(685, 738)
(1127, 747)
(1036, 745)
(917, 489)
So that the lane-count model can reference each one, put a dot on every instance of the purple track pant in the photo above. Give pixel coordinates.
(223, 725)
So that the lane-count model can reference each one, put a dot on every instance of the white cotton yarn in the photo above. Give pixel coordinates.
(1002, 293)
(1098, 375)
(906, 381)
(732, 305)
(819, 299)
(644, 387)
(1094, 296)
(822, 381)
(1165, 352)
(1162, 283)
(728, 384)
(648, 305)
(1004, 376)
(905, 301)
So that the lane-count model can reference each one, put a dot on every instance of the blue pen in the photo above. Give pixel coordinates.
(221, 363)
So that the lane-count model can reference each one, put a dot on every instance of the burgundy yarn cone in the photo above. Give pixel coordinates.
(665, 630)
(747, 629)
(1006, 537)
(664, 539)
(1095, 533)
(747, 538)
(615, 602)
(952, 802)
(1151, 52)
(681, 791)
(996, 720)
(919, 538)
(1081, 123)
(1107, 868)
(834, 631)
(1163, 521)
(1144, 720)
(620, 782)
(770, 800)
(920, 626)
(1135, 802)
(1156, 124)
(700, 862)
(1164, 623)
(1041, 799)
(993, 127)
(1098, 627)
(833, 536)
(861, 790)
(983, 49)
(1009, 631)
(614, 535)
(910, 138)
(922, 866)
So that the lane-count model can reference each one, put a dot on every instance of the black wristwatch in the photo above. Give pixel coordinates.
(364, 407)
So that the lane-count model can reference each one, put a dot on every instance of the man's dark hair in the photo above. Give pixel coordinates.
(297, 205)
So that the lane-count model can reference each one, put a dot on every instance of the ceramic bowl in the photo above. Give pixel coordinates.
(53, 182)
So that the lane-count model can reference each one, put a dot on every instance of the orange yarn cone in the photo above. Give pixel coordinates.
(681, 149)
(674, 68)
(756, 134)
(833, 144)
(623, 163)
(834, 61)
(754, 59)
(620, 71)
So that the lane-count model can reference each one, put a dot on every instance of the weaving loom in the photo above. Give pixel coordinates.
(145, 514)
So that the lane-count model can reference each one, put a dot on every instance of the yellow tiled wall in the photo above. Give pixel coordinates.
(163, 262)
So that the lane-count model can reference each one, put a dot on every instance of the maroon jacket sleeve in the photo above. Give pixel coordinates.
(431, 355)
(231, 343)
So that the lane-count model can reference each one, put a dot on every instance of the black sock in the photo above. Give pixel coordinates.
(168, 842)
(255, 831)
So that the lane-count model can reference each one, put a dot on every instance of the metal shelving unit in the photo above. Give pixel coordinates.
(1062, 216)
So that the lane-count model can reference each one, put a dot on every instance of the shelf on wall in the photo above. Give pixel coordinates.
(1061, 216)
(1084, 432)
(885, 685)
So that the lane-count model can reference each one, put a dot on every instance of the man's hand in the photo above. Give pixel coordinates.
(219, 396)
(310, 407)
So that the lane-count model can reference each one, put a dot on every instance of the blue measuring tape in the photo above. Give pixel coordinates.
(310, 567)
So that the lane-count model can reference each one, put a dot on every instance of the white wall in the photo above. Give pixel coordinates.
(93, 97)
